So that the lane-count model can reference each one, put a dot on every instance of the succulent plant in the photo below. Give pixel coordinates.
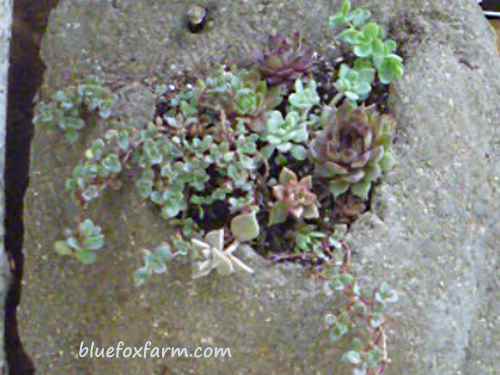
(101, 167)
(356, 83)
(240, 94)
(290, 134)
(368, 43)
(284, 60)
(294, 197)
(286, 134)
(309, 239)
(67, 108)
(83, 244)
(354, 149)
(216, 256)
(155, 262)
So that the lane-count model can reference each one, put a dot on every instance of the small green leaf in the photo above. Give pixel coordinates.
(388, 161)
(112, 164)
(350, 36)
(374, 358)
(360, 16)
(363, 50)
(390, 46)
(87, 228)
(141, 276)
(73, 243)
(245, 227)
(371, 30)
(337, 20)
(362, 188)
(346, 7)
(338, 188)
(71, 135)
(90, 193)
(62, 248)
(338, 331)
(299, 152)
(278, 213)
(93, 242)
(391, 69)
(86, 256)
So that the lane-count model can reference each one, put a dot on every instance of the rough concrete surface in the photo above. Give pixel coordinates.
(434, 232)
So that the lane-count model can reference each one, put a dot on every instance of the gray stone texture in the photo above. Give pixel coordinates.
(434, 232)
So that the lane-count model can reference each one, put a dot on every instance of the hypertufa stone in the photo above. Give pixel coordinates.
(434, 233)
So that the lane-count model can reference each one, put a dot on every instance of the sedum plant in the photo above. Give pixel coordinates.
(290, 134)
(286, 134)
(293, 197)
(101, 167)
(354, 149)
(70, 109)
(356, 83)
(284, 60)
(83, 244)
(155, 262)
(373, 51)
(361, 316)
(310, 239)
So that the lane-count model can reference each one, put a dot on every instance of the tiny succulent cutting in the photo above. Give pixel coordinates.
(251, 156)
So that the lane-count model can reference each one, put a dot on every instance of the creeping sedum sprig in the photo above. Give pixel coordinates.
(71, 108)
(82, 244)
(361, 315)
(376, 55)
(155, 262)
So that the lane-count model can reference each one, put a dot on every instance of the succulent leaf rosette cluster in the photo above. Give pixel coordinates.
(284, 60)
(354, 149)
(293, 197)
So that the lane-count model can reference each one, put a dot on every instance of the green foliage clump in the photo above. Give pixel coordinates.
(83, 244)
(70, 109)
(376, 55)
(101, 168)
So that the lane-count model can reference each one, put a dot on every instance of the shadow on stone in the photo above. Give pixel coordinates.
(25, 77)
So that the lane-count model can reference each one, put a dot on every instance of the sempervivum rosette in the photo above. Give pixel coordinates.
(353, 149)
(284, 60)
